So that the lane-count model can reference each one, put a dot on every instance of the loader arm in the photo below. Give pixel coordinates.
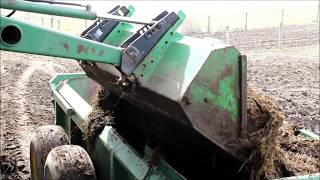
(18, 36)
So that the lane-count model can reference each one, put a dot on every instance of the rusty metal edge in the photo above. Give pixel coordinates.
(243, 95)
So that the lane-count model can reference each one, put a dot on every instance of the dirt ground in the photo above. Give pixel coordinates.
(289, 75)
(268, 38)
(25, 105)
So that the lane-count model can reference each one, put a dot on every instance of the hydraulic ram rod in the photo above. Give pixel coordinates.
(61, 3)
(44, 8)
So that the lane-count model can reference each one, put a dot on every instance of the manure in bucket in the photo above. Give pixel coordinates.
(277, 151)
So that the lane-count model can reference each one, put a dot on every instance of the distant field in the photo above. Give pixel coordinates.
(263, 14)
(268, 38)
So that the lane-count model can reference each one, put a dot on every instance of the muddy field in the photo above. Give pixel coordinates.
(25, 105)
(290, 76)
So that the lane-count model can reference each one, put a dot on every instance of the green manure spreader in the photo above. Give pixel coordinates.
(178, 103)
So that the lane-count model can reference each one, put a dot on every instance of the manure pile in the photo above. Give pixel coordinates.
(278, 149)
(283, 152)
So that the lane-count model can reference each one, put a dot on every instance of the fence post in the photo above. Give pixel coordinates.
(280, 30)
(227, 34)
(59, 20)
(282, 14)
(318, 13)
(246, 22)
(280, 36)
(209, 25)
(51, 22)
(42, 21)
(27, 17)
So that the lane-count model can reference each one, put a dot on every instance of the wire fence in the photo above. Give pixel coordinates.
(65, 24)
(271, 37)
(244, 38)
(286, 36)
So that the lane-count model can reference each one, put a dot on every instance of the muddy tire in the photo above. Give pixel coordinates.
(70, 162)
(44, 139)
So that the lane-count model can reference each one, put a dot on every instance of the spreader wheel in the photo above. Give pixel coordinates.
(70, 162)
(43, 140)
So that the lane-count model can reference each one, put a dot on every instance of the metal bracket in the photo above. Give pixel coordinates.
(65, 105)
(141, 43)
(96, 22)
(100, 29)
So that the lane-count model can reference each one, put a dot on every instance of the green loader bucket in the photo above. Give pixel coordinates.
(194, 87)
(185, 90)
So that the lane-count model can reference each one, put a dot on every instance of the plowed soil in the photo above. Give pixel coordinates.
(25, 105)
(290, 76)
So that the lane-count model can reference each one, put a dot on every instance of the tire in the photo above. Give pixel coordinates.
(70, 162)
(43, 140)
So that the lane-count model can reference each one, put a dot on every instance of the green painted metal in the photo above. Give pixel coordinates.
(179, 62)
(315, 176)
(118, 151)
(153, 58)
(196, 83)
(222, 64)
(309, 134)
(121, 32)
(113, 158)
(163, 170)
(42, 41)
(60, 77)
(214, 96)
(49, 9)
